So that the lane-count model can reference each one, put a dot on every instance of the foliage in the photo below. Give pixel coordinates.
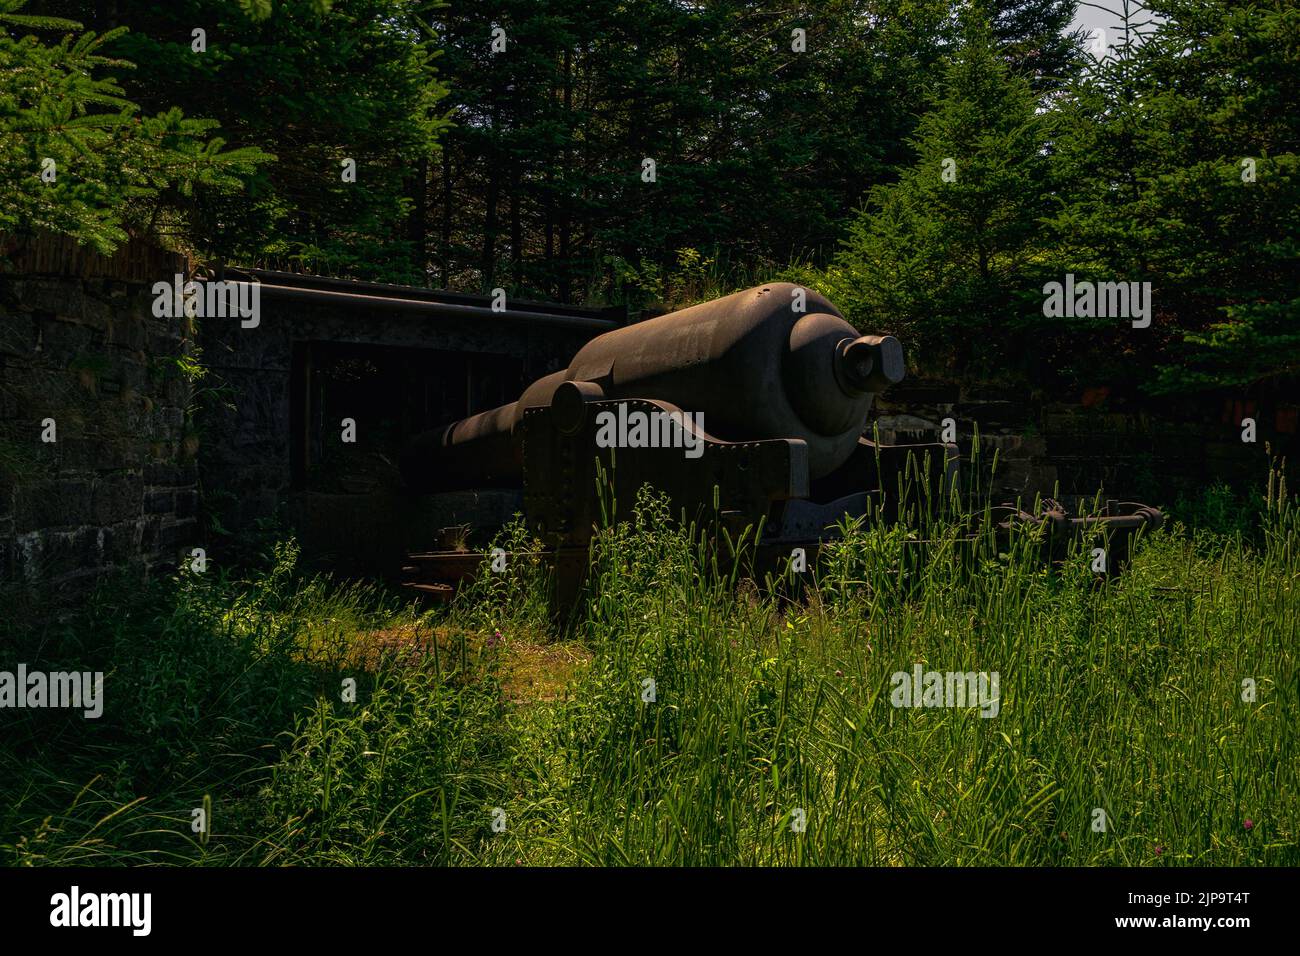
(759, 149)
(1171, 161)
(1209, 137)
(316, 86)
(80, 157)
(936, 257)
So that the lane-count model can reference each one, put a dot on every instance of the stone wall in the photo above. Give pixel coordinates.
(84, 362)
(1153, 450)
(255, 428)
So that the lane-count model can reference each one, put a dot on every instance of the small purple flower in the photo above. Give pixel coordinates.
(1248, 824)
(1159, 850)
(494, 640)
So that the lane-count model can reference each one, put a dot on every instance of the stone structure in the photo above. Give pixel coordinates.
(97, 468)
(390, 360)
(1095, 442)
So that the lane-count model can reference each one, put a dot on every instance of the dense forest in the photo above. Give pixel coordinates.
(931, 165)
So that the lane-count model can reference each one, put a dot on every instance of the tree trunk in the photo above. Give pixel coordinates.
(417, 226)
(516, 232)
(487, 265)
(446, 215)
(549, 229)
(566, 184)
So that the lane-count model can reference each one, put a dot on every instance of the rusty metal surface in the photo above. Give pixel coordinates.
(561, 496)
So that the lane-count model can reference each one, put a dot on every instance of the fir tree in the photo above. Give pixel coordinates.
(79, 158)
(944, 255)
(1178, 161)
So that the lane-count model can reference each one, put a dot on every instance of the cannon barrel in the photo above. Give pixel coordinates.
(749, 363)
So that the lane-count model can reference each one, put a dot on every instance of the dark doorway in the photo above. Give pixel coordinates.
(390, 394)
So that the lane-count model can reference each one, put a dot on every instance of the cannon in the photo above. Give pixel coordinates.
(752, 407)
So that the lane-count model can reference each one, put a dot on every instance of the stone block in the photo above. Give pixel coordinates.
(174, 535)
(128, 331)
(159, 501)
(53, 504)
(121, 542)
(149, 526)
(166, 473)
(64, 343)
(187, 503)
(117, 499)
(66, 553)
(55, 296)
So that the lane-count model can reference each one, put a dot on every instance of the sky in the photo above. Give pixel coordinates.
(1091, 18)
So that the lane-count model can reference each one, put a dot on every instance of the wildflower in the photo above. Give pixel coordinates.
(1159, 850)
(1248, 824)
(494, 640)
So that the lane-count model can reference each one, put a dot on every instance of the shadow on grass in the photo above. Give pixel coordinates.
(243, 693)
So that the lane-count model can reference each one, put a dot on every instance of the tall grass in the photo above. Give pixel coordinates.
(232, 689)
(716, 722)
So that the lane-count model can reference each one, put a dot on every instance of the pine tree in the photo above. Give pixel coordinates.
(1179, 161)
(944, 256)
(1226, 127)
(78, 157)
(315, 84)
(759, 148)
(1033, 36)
